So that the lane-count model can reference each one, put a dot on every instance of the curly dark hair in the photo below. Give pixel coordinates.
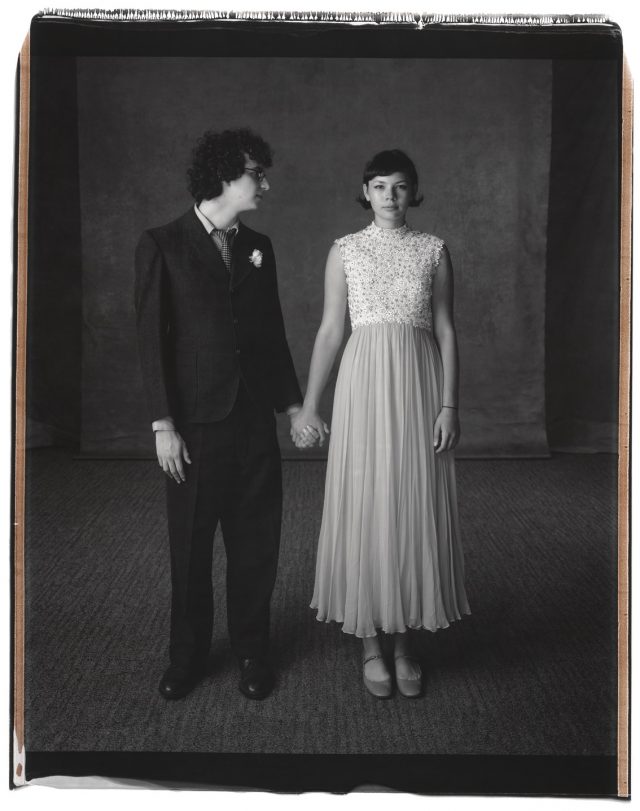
(219, 156)
(387, 163)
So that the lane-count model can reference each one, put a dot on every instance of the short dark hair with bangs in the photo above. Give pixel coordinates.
(220, 156)
(386, 163)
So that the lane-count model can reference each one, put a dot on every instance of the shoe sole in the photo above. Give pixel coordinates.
(183, 692)
(372, 690)
(407, 694)
(255, 696)
(176, 697)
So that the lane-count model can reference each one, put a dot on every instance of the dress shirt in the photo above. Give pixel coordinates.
(211, 228)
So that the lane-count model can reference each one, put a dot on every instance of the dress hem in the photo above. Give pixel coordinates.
(406, 628)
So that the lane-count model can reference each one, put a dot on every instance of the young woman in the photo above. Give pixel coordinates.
(389, 554)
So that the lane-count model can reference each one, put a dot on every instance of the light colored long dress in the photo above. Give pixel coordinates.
(389, 553)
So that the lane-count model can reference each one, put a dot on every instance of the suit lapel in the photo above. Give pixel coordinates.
(241, 265)
(202, 248)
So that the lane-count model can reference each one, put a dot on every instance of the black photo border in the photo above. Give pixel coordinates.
(422, 774)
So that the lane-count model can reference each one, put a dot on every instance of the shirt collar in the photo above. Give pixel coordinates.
(209, 226)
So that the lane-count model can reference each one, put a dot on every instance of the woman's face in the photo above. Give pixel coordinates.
(390, 196)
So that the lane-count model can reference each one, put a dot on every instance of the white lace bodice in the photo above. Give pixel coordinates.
(389, 274)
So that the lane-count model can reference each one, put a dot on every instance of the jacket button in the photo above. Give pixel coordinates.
(237, 351)
(235, 320)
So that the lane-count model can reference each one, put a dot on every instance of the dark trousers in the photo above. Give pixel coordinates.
(234, 479)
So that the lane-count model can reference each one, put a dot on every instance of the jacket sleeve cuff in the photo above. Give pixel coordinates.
(165, 424)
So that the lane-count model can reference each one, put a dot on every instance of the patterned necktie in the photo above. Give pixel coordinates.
(224, 240)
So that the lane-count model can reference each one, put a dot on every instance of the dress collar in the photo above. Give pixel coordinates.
(378, 230)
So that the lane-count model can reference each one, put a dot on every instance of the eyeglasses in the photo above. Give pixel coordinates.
(257, 171)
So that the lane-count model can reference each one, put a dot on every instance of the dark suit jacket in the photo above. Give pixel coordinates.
(200, 329)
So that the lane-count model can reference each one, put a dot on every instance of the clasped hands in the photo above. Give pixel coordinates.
(307, 428)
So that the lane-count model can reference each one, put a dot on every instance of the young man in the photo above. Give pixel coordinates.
(216, 364)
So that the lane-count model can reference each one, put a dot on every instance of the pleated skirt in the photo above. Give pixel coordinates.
(389, 552)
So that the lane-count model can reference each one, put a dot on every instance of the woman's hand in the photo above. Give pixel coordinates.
(307, 428)
(446, 430)
(171, 451)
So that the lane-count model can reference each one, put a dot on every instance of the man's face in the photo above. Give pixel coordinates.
(245, 192)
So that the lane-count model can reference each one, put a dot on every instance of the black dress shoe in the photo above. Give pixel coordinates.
(177, 682)
(256, 678)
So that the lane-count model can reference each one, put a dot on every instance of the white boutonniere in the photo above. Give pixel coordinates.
(256, 258)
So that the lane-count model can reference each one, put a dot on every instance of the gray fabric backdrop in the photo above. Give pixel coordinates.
(582, 310)
(479, 132)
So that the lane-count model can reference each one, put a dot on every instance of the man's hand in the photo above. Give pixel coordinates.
(172, 451)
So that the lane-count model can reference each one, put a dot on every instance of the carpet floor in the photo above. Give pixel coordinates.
(531, 671)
